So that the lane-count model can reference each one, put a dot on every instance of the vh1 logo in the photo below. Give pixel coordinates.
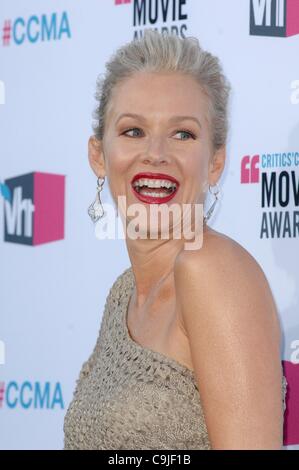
(35, 214)
(274, 17)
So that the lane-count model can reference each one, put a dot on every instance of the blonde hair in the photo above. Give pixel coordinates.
(164, 52)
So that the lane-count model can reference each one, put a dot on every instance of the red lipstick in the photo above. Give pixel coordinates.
(155, 199)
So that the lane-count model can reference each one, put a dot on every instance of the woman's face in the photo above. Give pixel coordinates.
(158, 140)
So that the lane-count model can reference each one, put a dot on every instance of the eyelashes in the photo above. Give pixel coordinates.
(185, 131)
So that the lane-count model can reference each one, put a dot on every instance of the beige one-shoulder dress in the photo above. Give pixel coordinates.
(131, 397)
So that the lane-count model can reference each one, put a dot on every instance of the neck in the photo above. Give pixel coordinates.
(152, 263)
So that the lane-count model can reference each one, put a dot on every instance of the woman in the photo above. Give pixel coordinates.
(188, 354)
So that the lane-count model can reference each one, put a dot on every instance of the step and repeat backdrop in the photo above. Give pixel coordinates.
(55, 273)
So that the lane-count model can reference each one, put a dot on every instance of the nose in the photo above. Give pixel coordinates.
(155, 154)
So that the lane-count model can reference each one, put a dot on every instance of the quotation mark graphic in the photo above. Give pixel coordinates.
(2, 391)
(6, 33)
(249, 169)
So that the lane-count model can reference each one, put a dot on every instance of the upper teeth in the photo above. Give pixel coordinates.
(151, 183)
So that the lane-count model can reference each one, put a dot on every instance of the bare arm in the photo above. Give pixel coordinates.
(231, 321)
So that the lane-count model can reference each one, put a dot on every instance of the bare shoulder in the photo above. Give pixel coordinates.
(230, 318)
(217, 250)
(223, 270)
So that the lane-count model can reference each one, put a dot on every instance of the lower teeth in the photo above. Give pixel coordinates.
(145, 193)
(154, 194)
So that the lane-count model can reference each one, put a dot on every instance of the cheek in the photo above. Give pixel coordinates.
(196, 173)
(197, 166)
(117, 164)
(117, 167)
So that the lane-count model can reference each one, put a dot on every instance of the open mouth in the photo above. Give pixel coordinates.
(159, 188)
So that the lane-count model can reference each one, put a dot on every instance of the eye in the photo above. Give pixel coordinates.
(186, 132)
(129, 130)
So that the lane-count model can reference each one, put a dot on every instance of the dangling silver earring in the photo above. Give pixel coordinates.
(95, 210)
(215, 193)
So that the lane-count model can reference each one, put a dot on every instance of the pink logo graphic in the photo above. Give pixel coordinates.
(49, 208)
(292, 17)
(249, 169)
(274, 18)
(35, 213)
(6, 30)
(2, 392)
(121, 2)
(291, 417)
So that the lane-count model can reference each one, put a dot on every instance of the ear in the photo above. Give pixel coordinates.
(96, 156)
(216, 165)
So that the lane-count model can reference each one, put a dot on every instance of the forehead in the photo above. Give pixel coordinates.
(163, 94)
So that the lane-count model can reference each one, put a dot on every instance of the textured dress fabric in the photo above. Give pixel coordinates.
(131, 397)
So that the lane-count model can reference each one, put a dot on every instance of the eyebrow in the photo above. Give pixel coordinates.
(172, 119)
